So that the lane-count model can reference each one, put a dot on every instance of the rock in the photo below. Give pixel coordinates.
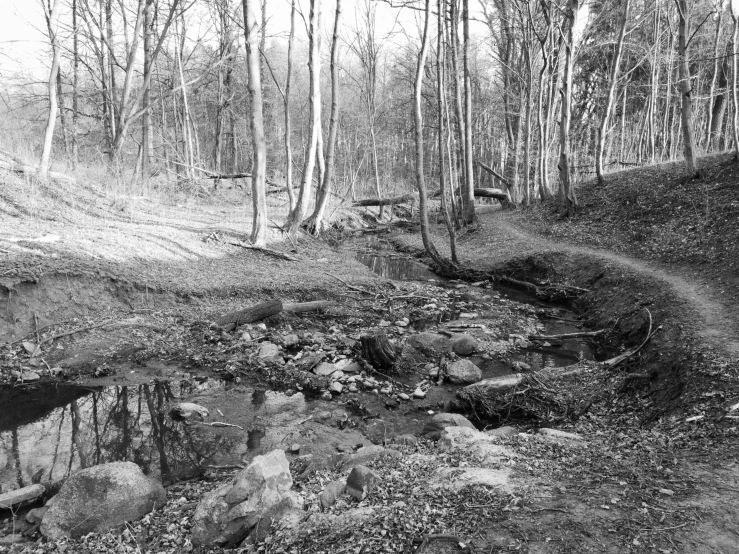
(290, 340)
(455, 479)
(419, 393)
(404, 396)
(471, 441)
(188, 410)
(30, 376)
(557, 434)
(337, 387)
(463, 372)
(520, 366)
(260, 494)
(337, 375)
(245, 336)
(36, 515)
(324, 369)
(9, 540)
(496, 384)
(99, 498)
(352, 387)
(522, 343)
(506, 431)
(464, 344)
(352, 367)
(331, 493)
(407, 440)
(361, 481)
(439, 422)
(366, 454)
(384, 323)
(269, 352)
(18, 496)
(326, 395)
(401, 323)
(430, 342)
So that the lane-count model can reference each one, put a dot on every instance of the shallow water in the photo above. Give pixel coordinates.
(79, 427)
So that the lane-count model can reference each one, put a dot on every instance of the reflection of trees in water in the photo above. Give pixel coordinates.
(112, 424)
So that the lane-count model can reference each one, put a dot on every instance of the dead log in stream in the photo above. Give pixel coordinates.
(406, 198)
(252, 314)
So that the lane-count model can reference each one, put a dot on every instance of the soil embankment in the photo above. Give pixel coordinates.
(631, 478)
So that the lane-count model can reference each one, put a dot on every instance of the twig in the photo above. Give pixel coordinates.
(352, 287)
(75, 331)
(224, 468)
(222, 424)
(549, 510)
(269, 251)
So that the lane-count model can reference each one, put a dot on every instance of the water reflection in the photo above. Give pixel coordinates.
(83, 427)
(401, 269)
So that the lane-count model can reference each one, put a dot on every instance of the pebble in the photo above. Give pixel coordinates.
(384, 323)
(401, 323)
(419, 393)
(326, 395)
(337, 387)
(404, 396)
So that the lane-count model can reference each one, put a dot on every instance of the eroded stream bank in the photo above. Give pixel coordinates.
(55, 429)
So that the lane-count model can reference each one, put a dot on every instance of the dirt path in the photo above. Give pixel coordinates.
(715, 323)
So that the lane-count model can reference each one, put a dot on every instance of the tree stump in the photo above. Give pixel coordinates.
(379, 351)
(255, 313)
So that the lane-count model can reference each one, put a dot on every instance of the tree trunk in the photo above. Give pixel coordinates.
(712, 90)
(611, 96)
(734, 91)
(316, 224)
(51, 121)
(286, 102)
(75, 83)
(295, 219)
(567, 197)
(441, 101)
(259, 144)
(418, 135)
(686, 106)
(468, 197)
(146, 130)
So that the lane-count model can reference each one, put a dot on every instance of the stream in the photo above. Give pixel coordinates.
(54, 430)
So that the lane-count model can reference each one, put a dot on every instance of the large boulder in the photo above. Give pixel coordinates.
(258, 494)
(100, 498)
(439, 422)
(463, 372)
(464, 344)
(430, 343)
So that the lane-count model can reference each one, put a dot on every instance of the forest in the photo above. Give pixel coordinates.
(369, 276)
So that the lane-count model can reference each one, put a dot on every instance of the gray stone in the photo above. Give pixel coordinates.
(188, 410)
(464, 344)
(407, 440)
(463, 372)
(352, 367)
(258, 496)
(268, 350)
(520, 366)
(324, 369)
(557, 434)
(331, 493)
(439, 344)
(419, 393)
(366, 454)
(439, 422)
(506, 431)
(36, 515)
(18, 496)
(361, 481)
(337, 387)
(30, 376)
(100, 498)
(290, 340)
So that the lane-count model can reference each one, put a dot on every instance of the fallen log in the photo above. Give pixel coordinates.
(490, 193)
(32, 171)
(621, 358)
(379, 351)
(229, 322)
(495, 174)
(385, 201)
(303, 307)
(567, 336)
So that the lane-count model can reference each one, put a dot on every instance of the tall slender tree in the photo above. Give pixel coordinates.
(686, 89)
(252, 11)
(51, 121)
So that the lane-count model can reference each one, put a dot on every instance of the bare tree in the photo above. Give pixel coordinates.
(297, 214)
(259, 143)
(316, 223)
(468, 192)
(418, 135)
(610, 99)
(51, 121)
(686, 89)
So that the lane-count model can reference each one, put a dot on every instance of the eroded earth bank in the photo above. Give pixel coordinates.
(545, 399)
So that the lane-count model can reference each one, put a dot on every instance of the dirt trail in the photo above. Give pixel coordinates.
(715, 323)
